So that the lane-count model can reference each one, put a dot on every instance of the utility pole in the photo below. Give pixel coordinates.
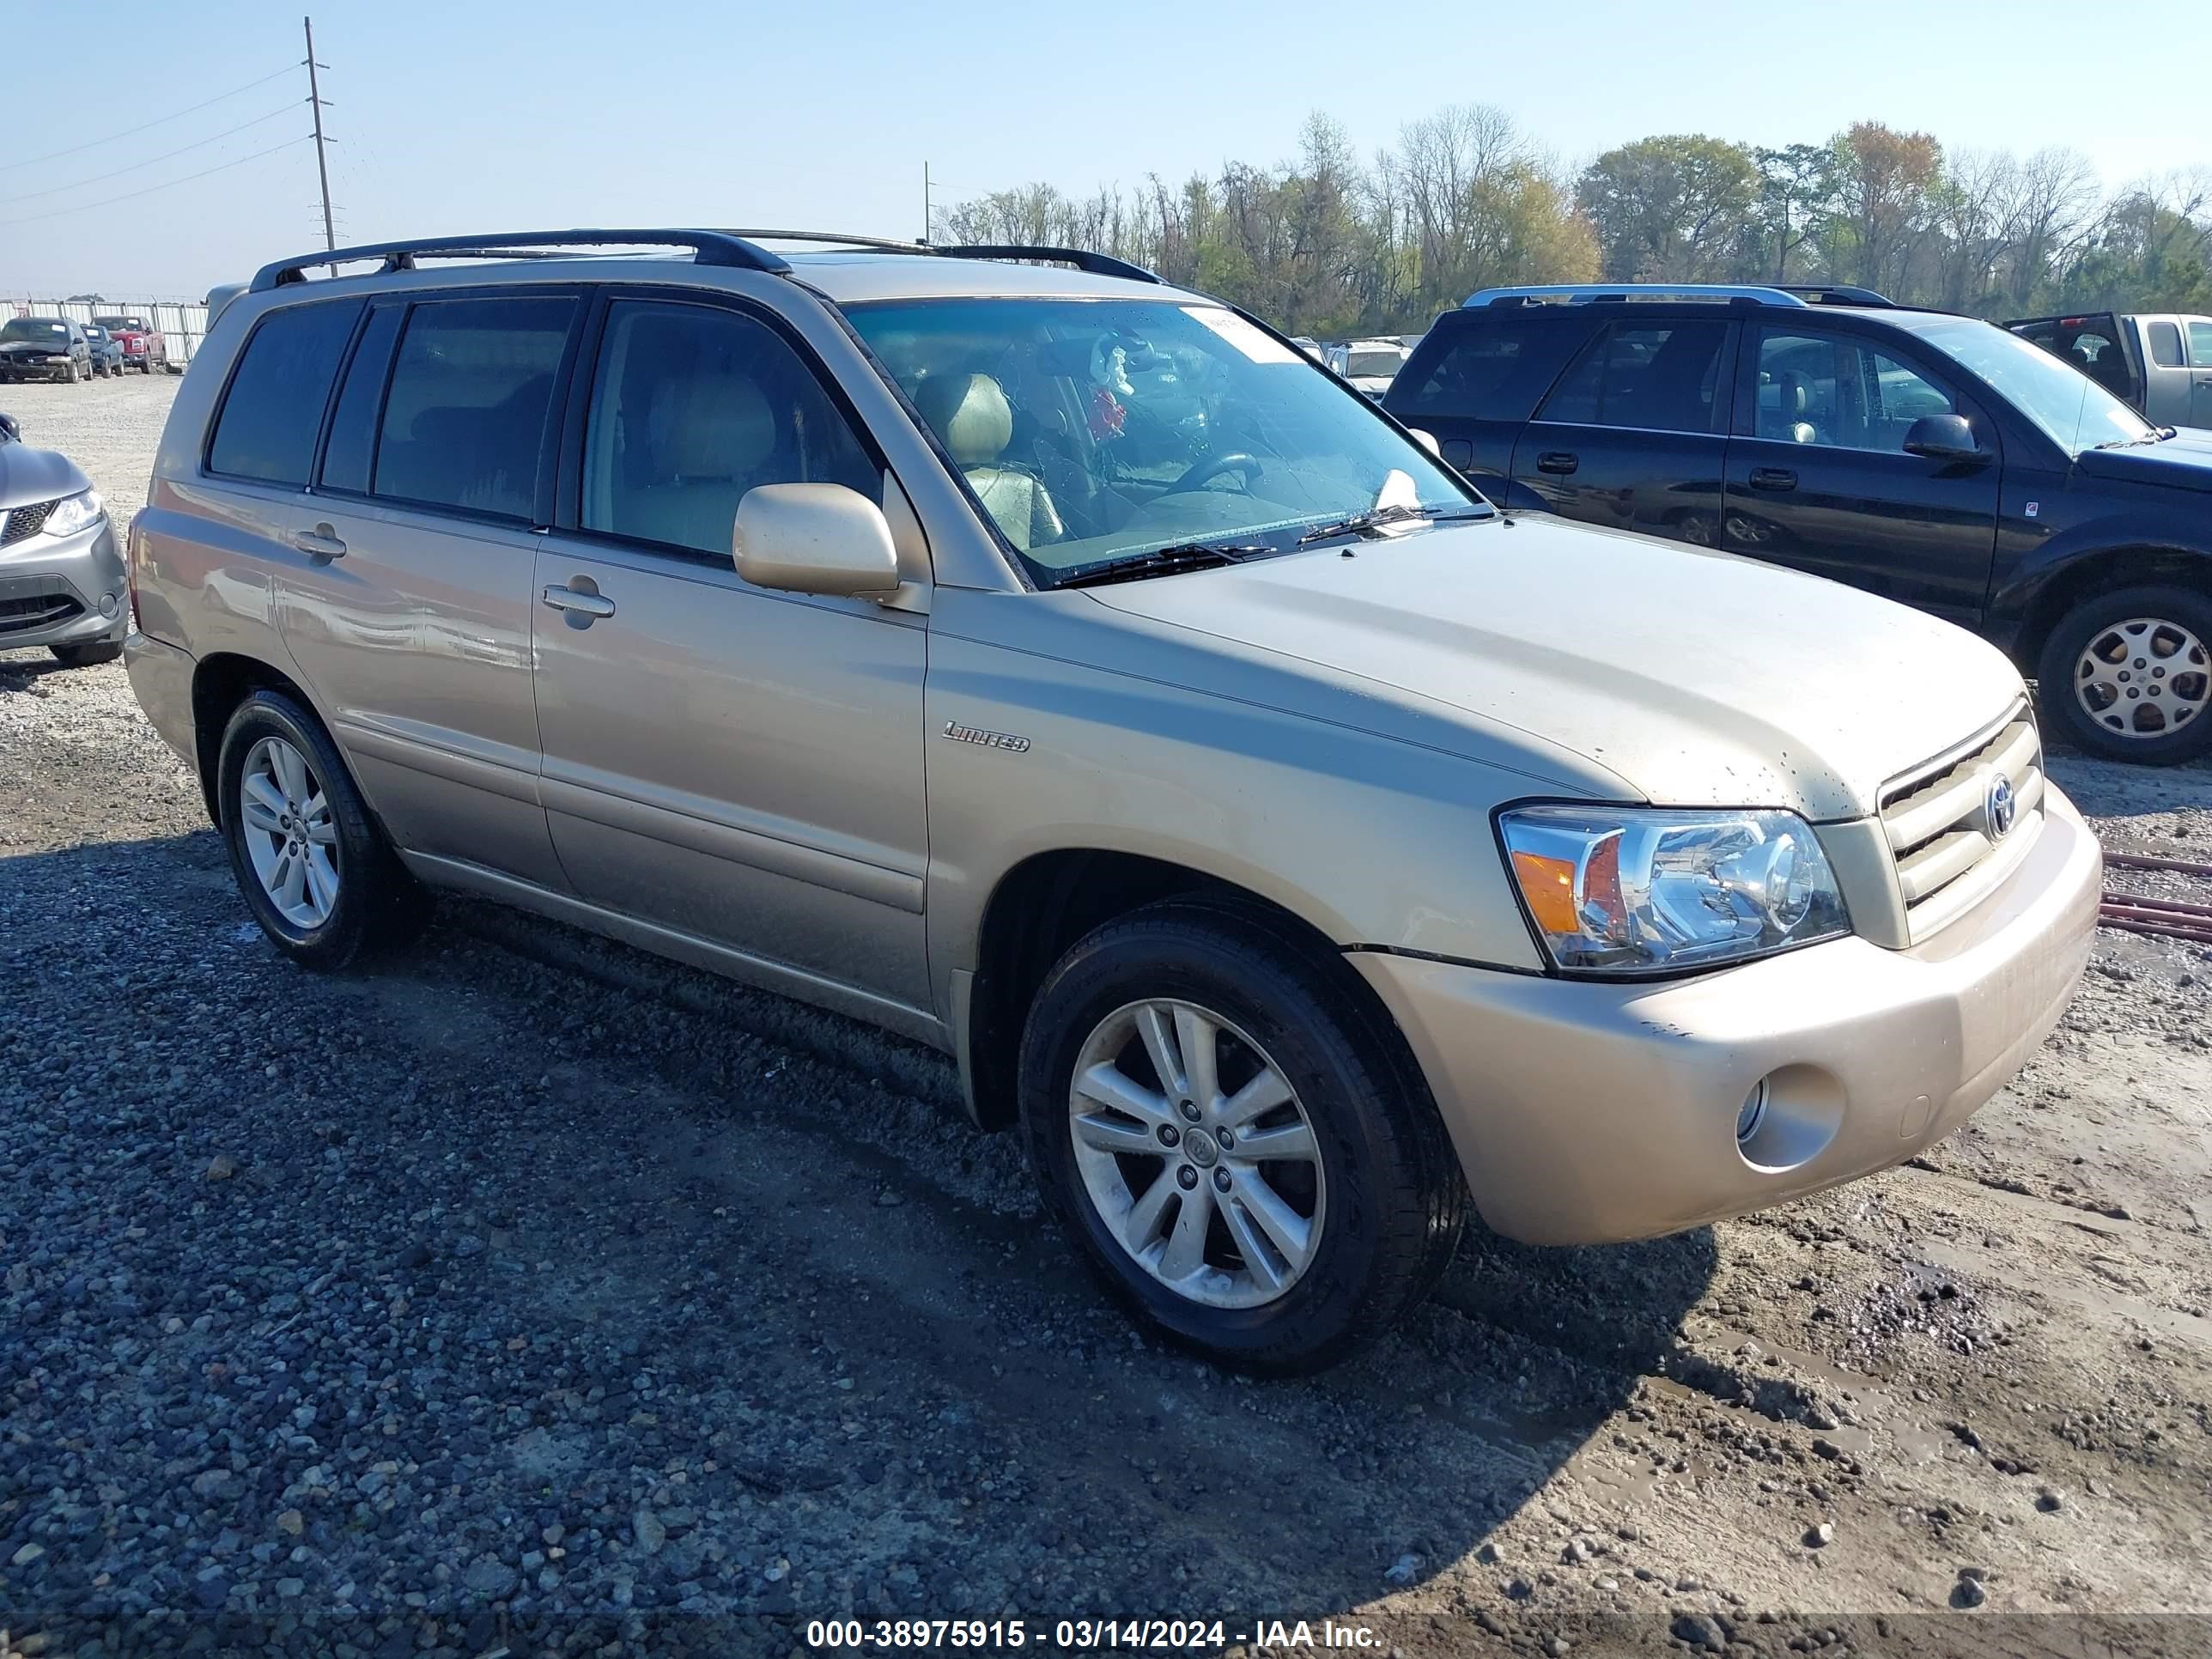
(925, 202)
(322, 165)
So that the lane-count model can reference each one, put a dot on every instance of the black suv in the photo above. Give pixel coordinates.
(1933, 459)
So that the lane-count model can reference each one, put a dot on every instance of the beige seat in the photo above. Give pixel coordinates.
(710, 440)
(971, 418)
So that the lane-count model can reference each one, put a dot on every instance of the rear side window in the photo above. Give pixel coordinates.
(464, 419)
(1659, 378)
(2200, 345)
(2165, 340)
(274, 407)
(1488, 369)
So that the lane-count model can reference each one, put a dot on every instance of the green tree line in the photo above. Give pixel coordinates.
(1331, 246)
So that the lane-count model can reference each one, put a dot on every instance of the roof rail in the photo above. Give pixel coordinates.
(1098, 264)
(834, 238)
(1584, 292)
(711, 247)
(1836, 294)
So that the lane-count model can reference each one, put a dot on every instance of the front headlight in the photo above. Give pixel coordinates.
(75, 512)
(1643, 890)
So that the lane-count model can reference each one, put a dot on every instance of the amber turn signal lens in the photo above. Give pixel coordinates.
(1549, 884)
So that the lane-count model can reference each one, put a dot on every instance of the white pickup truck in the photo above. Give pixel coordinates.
(2161, 364)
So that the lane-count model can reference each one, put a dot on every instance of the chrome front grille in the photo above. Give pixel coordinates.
(1948, 825)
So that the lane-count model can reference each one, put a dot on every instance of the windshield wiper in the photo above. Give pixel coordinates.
(1163, 561)
(1361, 523)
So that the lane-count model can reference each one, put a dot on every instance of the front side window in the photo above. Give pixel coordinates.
(691, 407)
(274, 407)
(2070, 408)
(2200, 345)
(1094, 430)
(1661, 378)
(2164, 345)
(1843, 393)
(465, 416)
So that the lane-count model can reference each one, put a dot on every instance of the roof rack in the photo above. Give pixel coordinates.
(1836, 294)
(1098, 264)
(1587, 293)
(835, 239)
(710, 247)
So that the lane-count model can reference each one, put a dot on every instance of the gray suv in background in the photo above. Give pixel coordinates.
(1063, 670)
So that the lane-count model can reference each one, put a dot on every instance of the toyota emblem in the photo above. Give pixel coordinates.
(1999, 808)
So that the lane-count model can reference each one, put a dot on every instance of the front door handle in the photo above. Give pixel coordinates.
(321, 542)
(584, 608)
(1773, 477)
(1556, 460)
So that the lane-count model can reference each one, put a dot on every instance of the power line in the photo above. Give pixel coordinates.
(57, 189)
(56, 155)
(166, 184)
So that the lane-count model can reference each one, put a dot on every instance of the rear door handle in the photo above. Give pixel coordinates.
(322, 543)
(1556, 460)
(588, 606)
(1773, 477)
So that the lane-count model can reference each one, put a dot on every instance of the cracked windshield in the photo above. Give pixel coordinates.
(1096, 431)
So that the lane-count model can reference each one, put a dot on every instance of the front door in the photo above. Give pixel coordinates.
(1818, 478)
(1634, 435)
(737, 766)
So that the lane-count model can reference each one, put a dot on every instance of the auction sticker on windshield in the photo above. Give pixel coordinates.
(1253, 343)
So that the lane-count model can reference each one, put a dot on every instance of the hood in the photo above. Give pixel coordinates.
(28, 474)
(1701, 678)
(2183, 461)
(56, 347)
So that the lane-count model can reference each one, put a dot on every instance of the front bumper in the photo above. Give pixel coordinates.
(63, 589)
(23, 369)
(1585, 1113)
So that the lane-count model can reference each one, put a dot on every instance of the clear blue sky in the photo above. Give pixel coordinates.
(483, 114)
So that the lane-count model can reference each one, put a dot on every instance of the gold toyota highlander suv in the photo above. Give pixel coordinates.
(1058, 667)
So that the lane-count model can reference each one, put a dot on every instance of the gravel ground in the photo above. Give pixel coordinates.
(531, 1295)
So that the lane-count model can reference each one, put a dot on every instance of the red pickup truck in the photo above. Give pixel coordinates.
(143, 348)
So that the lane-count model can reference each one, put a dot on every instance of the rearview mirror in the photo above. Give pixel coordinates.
(814, 539)
(1943, 438)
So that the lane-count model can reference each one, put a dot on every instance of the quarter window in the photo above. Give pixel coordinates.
(2200, 345)
(1662, 378)
(691, 407)
(2164, 345)
(274, 407)
(1828, 390)
(464, 419)
(1489, 369)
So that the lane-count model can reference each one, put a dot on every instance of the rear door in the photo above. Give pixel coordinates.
(1635, 436)
(409, 604)
(1818, 478)
(2200, 368)
(1477, 377)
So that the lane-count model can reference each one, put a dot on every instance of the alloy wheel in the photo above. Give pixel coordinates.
(285, 816)
(2143, 677)
(1196, 1154)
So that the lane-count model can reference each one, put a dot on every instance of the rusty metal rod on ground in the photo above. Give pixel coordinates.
(2137, 861)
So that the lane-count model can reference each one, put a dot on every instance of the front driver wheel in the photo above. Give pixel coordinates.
(2128, 675)
(1232, 1140)
(312, 864)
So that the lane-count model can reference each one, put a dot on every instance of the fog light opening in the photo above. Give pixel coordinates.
(1753, 1115)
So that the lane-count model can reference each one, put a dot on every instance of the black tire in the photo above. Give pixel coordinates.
(2062, 655)
(84, 656)
(378, 904)
(1395, 1203)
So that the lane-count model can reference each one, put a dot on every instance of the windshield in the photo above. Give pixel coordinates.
(2077, 412)
(1385, 364)
(119, 322)
(33, 328)
(1095, 429)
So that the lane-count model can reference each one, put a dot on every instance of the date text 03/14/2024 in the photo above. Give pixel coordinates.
(1079, 1635)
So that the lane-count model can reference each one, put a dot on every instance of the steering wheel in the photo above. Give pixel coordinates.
(1240, 462)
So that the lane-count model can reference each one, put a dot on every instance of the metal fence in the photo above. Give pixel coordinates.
(182, 325)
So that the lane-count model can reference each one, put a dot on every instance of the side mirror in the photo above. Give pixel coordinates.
(814, 539)
(1943, 438)
(9, 432)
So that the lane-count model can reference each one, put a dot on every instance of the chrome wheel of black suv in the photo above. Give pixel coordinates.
(2128, 675)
